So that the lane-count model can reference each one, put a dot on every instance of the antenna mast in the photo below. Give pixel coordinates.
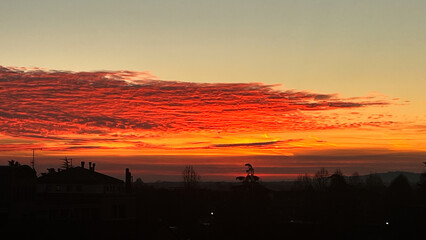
(33, 161)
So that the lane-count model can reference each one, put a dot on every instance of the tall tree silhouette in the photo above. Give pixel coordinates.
(422, 185)
(250, 177)
(66, 163)
(400, 191)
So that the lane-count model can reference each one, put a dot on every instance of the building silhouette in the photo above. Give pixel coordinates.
(17, 191)
(73, 194)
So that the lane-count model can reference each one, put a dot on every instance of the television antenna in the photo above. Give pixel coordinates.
(33, 161)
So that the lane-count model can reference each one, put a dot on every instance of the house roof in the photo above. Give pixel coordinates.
(78, 175)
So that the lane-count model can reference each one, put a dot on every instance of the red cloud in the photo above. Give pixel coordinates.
(50, 104)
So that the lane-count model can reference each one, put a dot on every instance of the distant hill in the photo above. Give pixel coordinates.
(388, 177)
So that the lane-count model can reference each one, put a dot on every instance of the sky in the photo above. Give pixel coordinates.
(289, 86)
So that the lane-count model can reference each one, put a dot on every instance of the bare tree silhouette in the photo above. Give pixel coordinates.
(303, 182)
(190, 177)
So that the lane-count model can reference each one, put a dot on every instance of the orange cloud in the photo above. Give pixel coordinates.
(95, 110)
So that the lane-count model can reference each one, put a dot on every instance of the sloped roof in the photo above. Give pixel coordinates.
(78, 175)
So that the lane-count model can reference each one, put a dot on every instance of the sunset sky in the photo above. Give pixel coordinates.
(289, 86)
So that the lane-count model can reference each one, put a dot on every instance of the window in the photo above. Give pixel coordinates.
(58, 188)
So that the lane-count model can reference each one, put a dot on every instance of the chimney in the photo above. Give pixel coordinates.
(90, 165)
(128, 181)
(93, 167)
(82, 164)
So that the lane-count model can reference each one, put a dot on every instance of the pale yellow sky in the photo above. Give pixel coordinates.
(350, 48)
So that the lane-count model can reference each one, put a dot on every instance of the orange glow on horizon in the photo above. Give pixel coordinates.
(131, 114)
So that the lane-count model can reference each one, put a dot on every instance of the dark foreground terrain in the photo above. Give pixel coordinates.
(325, 208)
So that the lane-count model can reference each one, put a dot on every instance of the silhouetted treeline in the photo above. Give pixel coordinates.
(323, 206)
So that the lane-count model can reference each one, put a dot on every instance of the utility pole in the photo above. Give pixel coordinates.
(33, 161)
